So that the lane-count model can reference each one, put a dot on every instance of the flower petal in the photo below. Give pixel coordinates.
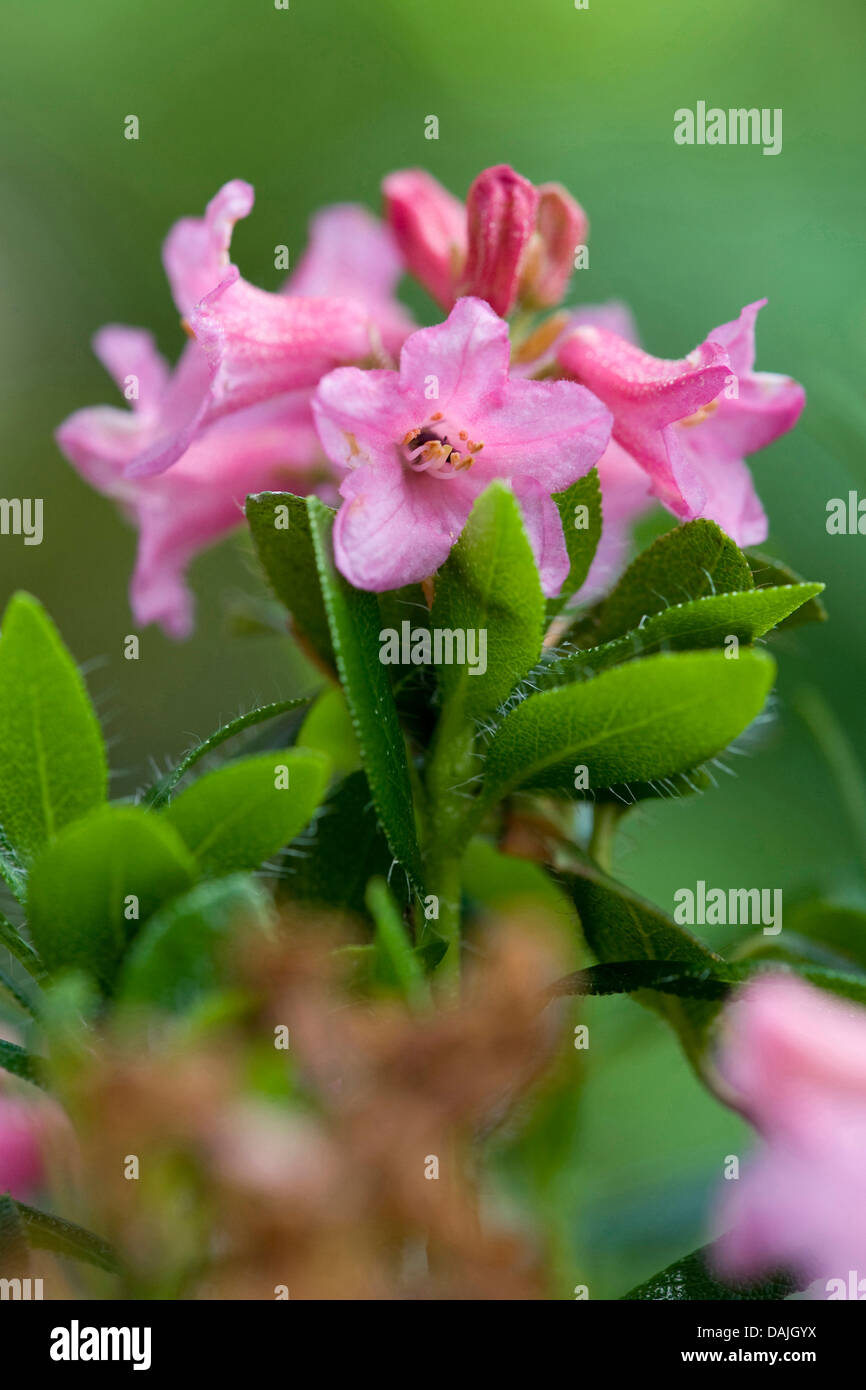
(429, 226)
(196, 251)
(544, 529)
(262, 344)
(554, 431)
(270, 446)
(461, 360)
(132, 353)
(501, 209)
(352, 255)
(396, 527)
(361, 417)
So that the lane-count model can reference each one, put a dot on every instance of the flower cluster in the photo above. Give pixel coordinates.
(327, 386)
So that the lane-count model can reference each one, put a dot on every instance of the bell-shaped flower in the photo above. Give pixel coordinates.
(423, 442)
(794, 1058)
(689, 423)
(272, 445)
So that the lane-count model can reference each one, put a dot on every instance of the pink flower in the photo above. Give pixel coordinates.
(688, 423)
(234, 415)
(501, 209)
(24, 1127)
(352, 255)
(250, 345)
(178, 512)
(625, 496)
(513, 241)
(795, 1059)
(422, 443)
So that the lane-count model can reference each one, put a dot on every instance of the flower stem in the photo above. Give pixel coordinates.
(449, 770)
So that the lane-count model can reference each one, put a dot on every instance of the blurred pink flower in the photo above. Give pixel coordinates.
(512, 241)
(424, 442)
(795, 1060)
(26, 1128)
(688, 423)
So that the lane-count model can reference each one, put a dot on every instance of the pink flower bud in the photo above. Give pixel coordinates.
(561, 227)
(501, 209)
(429, 226)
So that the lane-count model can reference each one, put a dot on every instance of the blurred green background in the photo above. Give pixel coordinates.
(314, 104)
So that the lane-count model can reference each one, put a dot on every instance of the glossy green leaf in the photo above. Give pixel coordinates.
(489, 584)
(644, 720)
(52, 758)
(237, 816)
(355, 624)
(768, 573)
(693, 1278)
(280, 527)
(707, 622)
(177, 956)
(688, 563)
(92, 887)
(580, 508)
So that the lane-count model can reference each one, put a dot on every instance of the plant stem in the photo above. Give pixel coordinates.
(450, 767)
(605, 818)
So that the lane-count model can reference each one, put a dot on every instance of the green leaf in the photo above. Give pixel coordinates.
(119, 860)
(693, 1278)
(21, 1063)
(288, 558)
(22, 996)
(490, 584)
(19, 948)
(687, 563)
(47, 1232)
(707, 622)
(396, 962)
(645, 720)
(675, 977)
(237, 816)
(355, 624)
(619, 926)
(52, 758)
(711, 981)
(347, 834)
(843, 929)
(14, 1249)
(159, 794)
(12, 870)
(328, 728)
(176, 957)
(581, 540)
(767, 573)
